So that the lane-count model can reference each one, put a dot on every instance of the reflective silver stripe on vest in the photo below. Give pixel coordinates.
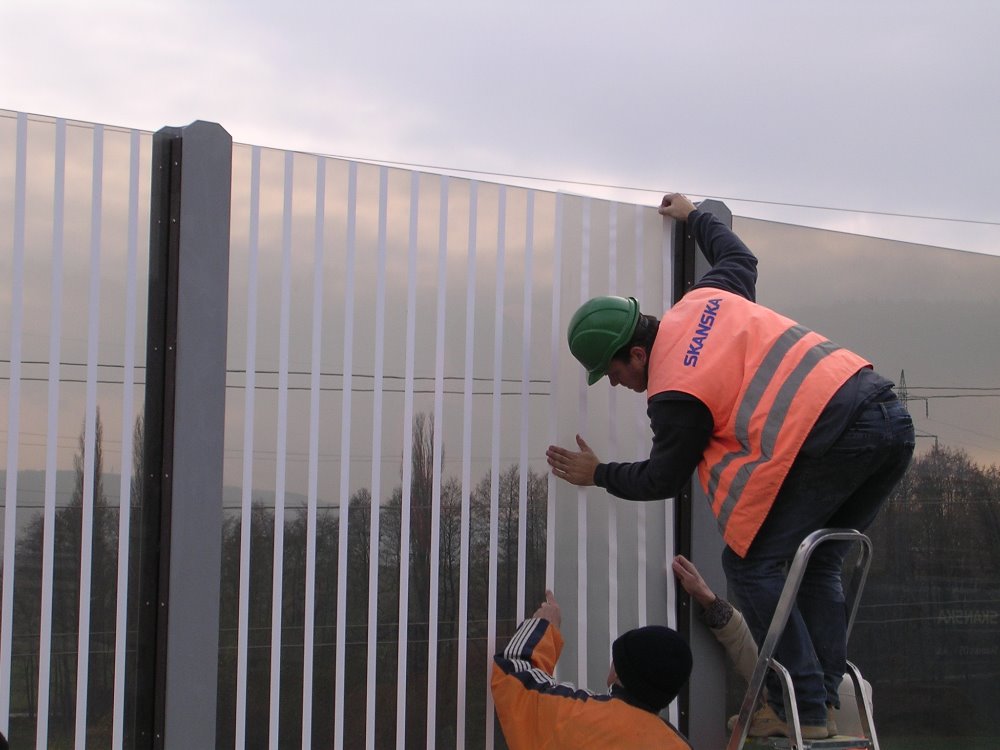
(772, 426)
(751, 399)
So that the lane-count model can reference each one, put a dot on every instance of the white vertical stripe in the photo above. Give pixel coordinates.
(345, 456)
(556, 348)
(668, 514)
(90, 432)
(463, 558)
(666, 254)
(491, 610)
(643, 605)
(128, 401)
(246, 501)
(673, 710)
(612, 248)
(404, 575)
(13, 419)
(407, 427)
(376, 476)
(435, 564)
(51, 440)
(522, 491)
(641, 425)
(308, 635)
(281, 458)
(613, 446)
(581, 493)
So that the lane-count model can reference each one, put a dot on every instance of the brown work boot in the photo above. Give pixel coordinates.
(731, 721)
(766, 723)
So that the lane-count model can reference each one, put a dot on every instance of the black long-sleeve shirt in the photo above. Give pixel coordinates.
(683, 424)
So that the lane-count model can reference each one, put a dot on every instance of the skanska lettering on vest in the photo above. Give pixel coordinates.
(701, 333)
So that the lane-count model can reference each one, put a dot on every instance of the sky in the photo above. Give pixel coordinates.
(885, 110)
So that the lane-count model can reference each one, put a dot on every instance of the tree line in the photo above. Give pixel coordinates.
(358, 556)
(927, 634)
(100, 691)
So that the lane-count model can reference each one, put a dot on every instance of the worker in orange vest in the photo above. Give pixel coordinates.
(789, 433)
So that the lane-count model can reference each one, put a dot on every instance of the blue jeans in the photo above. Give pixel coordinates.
(844, 488)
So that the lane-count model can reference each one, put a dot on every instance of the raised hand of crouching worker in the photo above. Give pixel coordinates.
(549, 609)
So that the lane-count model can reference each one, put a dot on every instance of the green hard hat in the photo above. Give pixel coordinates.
(601, 327)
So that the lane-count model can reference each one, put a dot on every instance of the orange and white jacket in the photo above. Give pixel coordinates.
(536, 712)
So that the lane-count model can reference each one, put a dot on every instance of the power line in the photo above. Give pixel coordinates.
(955, 388)
(964, 391)
(604, 185)
(964, 395)
(450, 391)
(275, 373)
(612, 186)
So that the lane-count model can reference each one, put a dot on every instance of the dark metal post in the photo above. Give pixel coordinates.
(703, 716)
(177, 622)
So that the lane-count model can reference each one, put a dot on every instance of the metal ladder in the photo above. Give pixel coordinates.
(857, 575)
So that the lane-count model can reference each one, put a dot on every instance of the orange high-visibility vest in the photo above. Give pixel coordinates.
(765, 378)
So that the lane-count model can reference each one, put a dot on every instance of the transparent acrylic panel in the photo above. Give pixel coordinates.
(80, 336)
(928, 629)
(610, 554)
(442, 341)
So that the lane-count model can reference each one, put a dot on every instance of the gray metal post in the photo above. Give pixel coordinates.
(181, 517)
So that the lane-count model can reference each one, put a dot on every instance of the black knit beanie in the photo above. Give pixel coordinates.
(652, 663)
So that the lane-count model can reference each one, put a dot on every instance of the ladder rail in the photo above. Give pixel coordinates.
(858, 579)
(864, 702)
(792, 706)
(783, 611)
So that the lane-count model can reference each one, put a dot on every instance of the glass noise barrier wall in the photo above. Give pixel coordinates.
(396, 368)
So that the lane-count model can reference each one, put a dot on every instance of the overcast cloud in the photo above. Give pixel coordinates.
(884, 106)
